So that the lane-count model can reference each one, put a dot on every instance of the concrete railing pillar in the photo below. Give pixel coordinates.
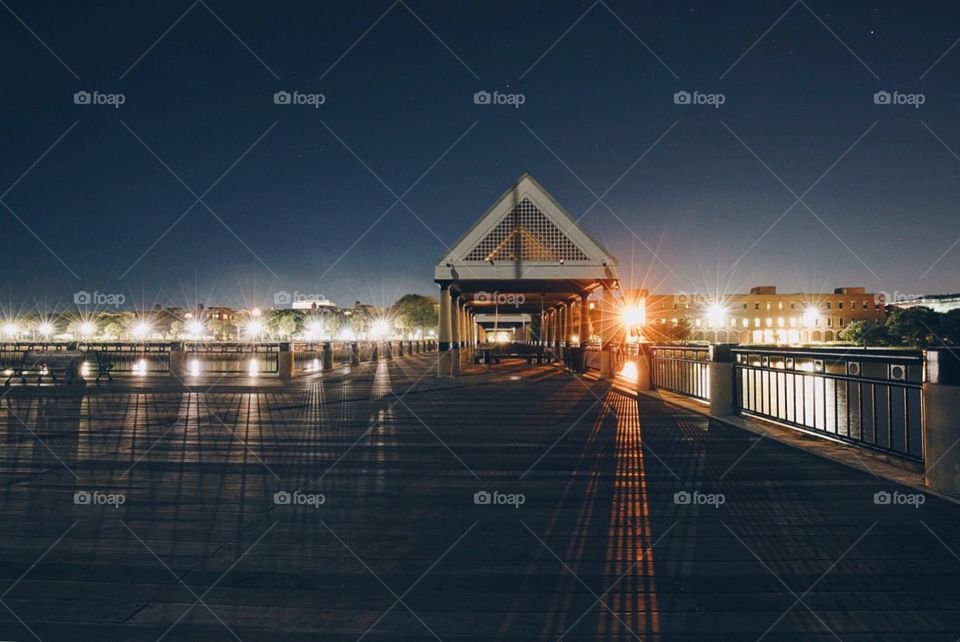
(941, 430)
(327, 362)
(606, 333)
(720, 375)
(644, 382)
(354, 354)
(285, 362)
(178, 361)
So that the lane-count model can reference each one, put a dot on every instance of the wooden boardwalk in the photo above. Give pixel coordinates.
(593, 539)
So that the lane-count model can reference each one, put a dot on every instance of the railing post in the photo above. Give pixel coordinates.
(941, 436)
(178, 361)
(327, 363)
(285, 362)
(354, 354)
(720, 371)
(644, 361)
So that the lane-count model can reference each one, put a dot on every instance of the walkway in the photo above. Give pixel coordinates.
(598, 550)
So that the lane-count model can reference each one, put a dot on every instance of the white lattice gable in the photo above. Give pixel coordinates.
(525, 226)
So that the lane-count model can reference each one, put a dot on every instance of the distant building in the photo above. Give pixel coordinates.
(314, 304)
(936, 302)
(764, 316)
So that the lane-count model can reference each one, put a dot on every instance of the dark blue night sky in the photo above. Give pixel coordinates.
(799, 111)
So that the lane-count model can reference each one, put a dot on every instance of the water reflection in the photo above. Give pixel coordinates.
(876, 413)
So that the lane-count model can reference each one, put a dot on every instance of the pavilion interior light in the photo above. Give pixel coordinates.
(634, 315)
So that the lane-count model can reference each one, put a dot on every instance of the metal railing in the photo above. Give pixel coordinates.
(681, 369)
(214, 357)
(872, 398)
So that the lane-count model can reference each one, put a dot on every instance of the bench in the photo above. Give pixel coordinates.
(486, 355)
(66, 365)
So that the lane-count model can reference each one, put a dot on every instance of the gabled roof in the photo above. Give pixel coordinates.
(527, 224)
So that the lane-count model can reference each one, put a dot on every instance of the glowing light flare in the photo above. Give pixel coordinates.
(253, 328)
(193, 368)
(314, 329)
(810, 317)
(347, 334)
(87, 329)
(629, 371)
(140, 330)
(46, 329)
(716, 315)
(634, 315)
(380, 328)
(11, 329)
(253, 368)
(140, 368)
(196, 328)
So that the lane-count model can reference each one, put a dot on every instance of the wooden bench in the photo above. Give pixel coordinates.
(63, 365)
(486, 355)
